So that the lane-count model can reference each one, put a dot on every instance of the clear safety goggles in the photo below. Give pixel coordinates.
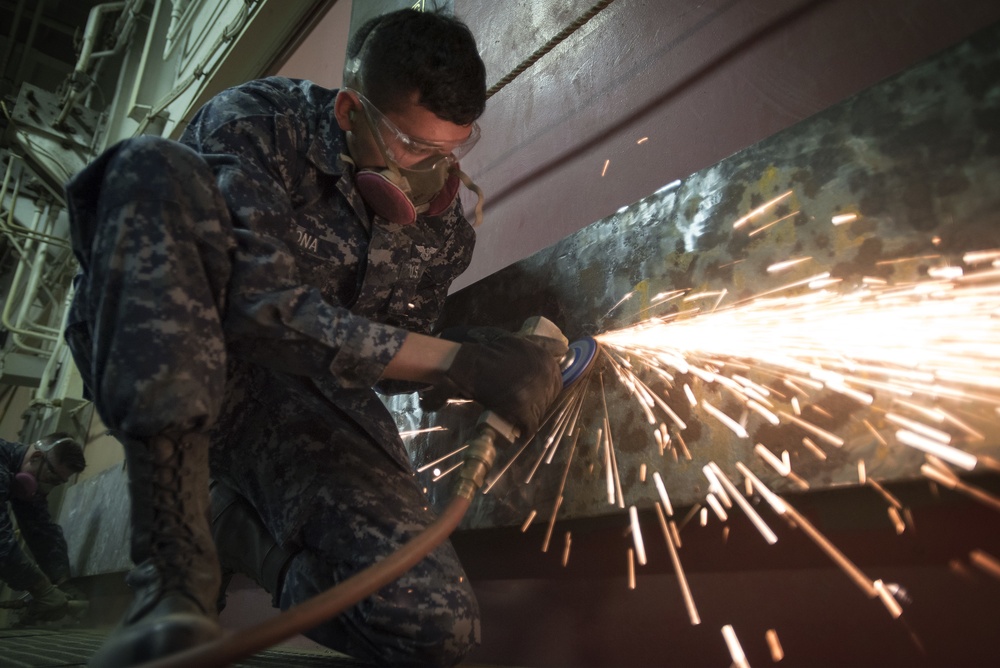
(402, 147)
(48, 478)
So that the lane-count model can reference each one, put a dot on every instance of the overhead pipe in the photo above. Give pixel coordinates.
(123, 28)
(177, 9)
(94, 21)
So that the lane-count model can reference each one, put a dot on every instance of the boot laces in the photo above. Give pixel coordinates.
(174, 543)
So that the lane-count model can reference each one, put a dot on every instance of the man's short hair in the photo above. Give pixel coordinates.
(64, 449)
(392, 55)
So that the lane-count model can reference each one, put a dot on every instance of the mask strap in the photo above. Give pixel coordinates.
(467, 180)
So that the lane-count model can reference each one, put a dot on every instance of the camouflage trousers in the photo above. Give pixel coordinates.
(155, 242)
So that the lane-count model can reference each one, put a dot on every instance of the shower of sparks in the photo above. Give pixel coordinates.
(414, 432)
(897, 520)
(932, 347)
(552, 524)
(844, 218)
(744, 505)
(760, 209)
(773, 644)
(735, 650)
(619, 303)
(441, 459)
(888, 599)
(773, 223)
(953, 482)
(669, 531)
(893, 501)
(986, 561)
(782, 508)
(662, 491)
(438, 474)
(786, 264)
(979, 257)
(918, 362)
(640, 550)
(903, 260)
(675, 533)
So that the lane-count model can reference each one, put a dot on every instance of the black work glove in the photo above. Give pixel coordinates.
(461, 334)
(513, 376)
(48, 603)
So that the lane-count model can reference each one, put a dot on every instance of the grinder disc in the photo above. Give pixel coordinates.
(579, 358)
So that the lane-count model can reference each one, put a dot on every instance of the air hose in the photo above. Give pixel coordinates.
(480, 456)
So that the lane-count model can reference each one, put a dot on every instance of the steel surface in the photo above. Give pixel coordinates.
(917, 156)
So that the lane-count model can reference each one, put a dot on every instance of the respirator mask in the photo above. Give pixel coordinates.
(428, 186)
(24, 487)
(26, 484)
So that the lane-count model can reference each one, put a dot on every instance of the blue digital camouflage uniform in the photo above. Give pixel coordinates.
(40, 532)
(238, 284)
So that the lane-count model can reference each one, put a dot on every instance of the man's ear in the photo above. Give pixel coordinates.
(344, 109)
(32, 458)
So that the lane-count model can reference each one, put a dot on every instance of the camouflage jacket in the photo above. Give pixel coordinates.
(43, 536)
(283, 177)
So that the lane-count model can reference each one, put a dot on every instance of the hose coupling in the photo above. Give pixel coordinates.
(482, 453)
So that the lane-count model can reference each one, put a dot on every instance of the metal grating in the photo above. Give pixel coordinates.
(42, 648)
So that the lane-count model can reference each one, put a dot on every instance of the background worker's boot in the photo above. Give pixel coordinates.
(176, 578)
(245, 545)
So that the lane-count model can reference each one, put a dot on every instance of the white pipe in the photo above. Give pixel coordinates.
(94, 20)
(36, 264)
(177, 9)
(6, 180)
(90, 32)
(123, 33)
(15, 328)
(9, 226)
(57, 355)
(44, 262)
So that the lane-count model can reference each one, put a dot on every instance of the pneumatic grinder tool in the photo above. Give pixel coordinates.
(573, 363)
(481, 452)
